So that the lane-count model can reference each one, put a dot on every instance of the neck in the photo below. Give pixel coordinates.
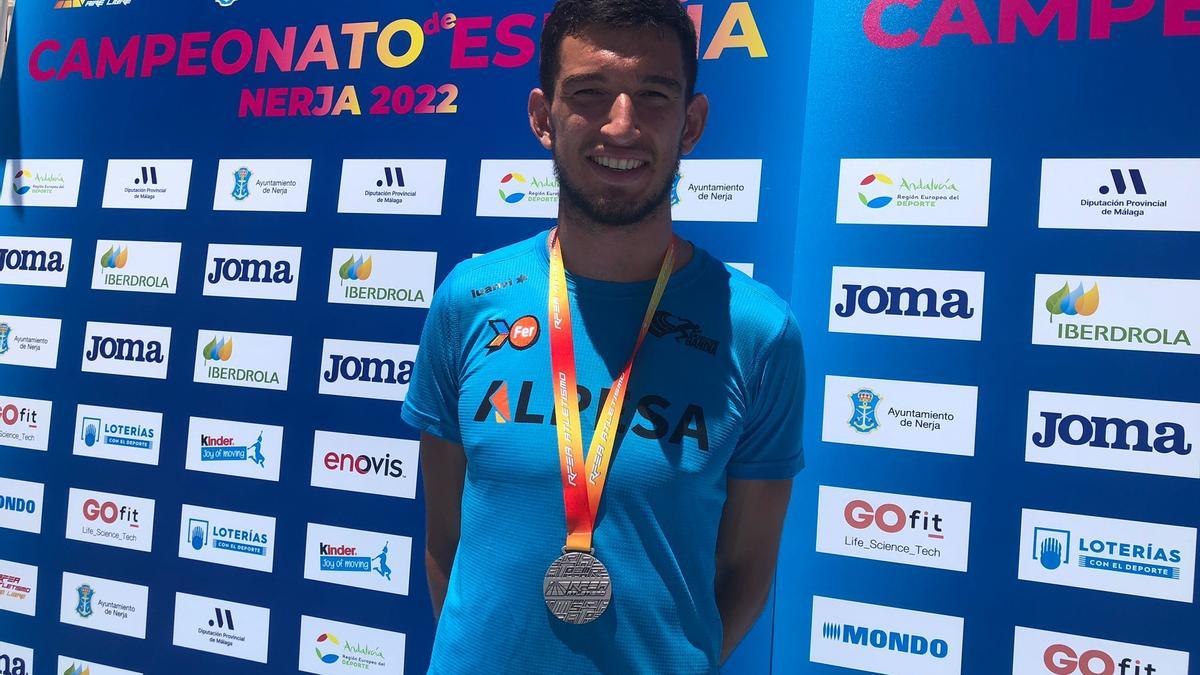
(625, 253)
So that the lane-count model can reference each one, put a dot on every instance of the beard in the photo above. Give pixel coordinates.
(607, 210)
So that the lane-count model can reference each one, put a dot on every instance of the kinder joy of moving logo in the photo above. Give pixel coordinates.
(224, 449)
(522, 334)
(1061, 659)
(874, 180)
(1052, 548)
(514, 196)
(335, 558)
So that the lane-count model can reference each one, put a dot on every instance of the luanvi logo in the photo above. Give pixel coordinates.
(685, 331)
(499, 285)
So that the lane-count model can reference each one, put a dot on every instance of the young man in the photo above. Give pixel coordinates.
(647, 544)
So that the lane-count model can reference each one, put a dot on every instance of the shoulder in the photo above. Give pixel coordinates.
(483, 276)
(758, 317)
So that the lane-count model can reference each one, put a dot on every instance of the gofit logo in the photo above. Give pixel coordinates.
(894, 528)
(110, 519)
(370, 464)
(34, 261)
(151, 267)
(1120, 434)
(18, 588)
(378, 370)
(25, 423)
(20, 505)
(1039, 651)
(883, 639)
(521, 335)
(227, 537)
(234, 448)
(951, 192)
(1120, 556)
(259, 361)
(267, 272)
(126, 349)
(371, 560)
(221, 627)
(382, 278)
(1134, 314)
(911, 303)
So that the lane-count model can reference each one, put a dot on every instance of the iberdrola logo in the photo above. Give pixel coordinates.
(76, 669)
(355, 270)
(874, 179)
(218, 350)
(115, 257)
(512, 197)
(327, 657)
(1073, 302)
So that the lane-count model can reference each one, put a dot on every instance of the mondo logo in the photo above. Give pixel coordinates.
(881, 639)
(126, 349)
(1040, 651)
(20, 505)
(34, 261)
(911, 303)
(378, 370)
(263, 272)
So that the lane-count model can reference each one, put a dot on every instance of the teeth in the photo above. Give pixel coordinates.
(618, 164)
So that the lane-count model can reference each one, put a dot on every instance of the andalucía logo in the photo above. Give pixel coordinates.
(351, 648)
(1136, 314)
(873, 181)
(516, 193)
(241, 183)
(329, 643)
(863, 419)
(26, 181)
(20, 184)
(521, 335)
(516, 187)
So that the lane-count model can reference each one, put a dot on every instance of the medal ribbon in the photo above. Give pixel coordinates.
(583, 501)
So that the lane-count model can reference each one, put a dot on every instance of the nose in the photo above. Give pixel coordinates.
(622, 125)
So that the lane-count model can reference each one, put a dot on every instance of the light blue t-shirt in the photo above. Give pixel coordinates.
(716, 393)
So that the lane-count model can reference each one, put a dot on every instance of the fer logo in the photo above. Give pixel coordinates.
(522, 335)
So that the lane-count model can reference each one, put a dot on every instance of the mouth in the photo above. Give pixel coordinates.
(617, 164)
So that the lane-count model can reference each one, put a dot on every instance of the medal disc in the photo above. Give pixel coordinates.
(577, 588)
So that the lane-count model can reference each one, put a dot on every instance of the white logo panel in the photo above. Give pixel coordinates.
(894, 528)
(147, 184)
(229, 538)
(392, 186)
(370, 464)
(103, 604)
(1119, 434)
(69, 665)
(373, 561)
(262, 185)
(221, 627)
(126, 349)
(382, 278)
(717, 190)
(18, 587)
(919, 416)
(517, 188)
(21, 505)
(138, 266)
(254, 360)
(1043, 652)
(41, 182)
(110, 519)
(743, 267)
(907, 303)
(266, 272)
(19, 659)
(25, 422)
(1120, 194)
(234, 448)
(29, 341)
(889, 640)
(1147, 315)
(117, 434)
(34, 261)
(378, 370)
(950, 192)
(1105, 554)
(357, 649)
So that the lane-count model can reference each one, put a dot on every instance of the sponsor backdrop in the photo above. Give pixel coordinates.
(221, 227)
(996, 276)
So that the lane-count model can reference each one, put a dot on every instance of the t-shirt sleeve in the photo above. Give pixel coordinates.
(771, 445)
(431, 404)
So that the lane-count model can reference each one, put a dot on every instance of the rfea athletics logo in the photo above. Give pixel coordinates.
(521, 335)
(881, 639)
(252, 360)
(875, 190)
(1048, 653)
(18, 588)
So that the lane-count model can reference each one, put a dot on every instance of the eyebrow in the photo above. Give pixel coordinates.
(589, 78)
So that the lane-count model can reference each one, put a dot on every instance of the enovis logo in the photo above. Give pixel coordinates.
(1116, 313)
(234, 448)
(948, 192)
(370, 464)
(1046, 653)
(18, 588)
(126, 349)
(227, 538)
(266, 272)
(334, 647)
(1106, 554)
(221, 627)
(25, 423)
(21, 505)
(110, 519)
(382, 278)
(251, 360)
(894, 528)
(117, 434)
(379, 370)
(881, 639)
(919, 416)
(153, 267)
(34, 261)
(906, 302)
(371, 560)
(1119, 434)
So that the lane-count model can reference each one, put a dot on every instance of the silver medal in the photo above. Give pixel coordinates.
(577, 588)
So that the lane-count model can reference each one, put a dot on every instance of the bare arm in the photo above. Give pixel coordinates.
(443, 468)
(747, 549)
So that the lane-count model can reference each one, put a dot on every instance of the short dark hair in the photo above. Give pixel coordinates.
(572, 17)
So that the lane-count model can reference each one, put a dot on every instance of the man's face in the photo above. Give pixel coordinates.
(619, 121)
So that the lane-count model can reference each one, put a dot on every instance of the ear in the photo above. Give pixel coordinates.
(539, 118)
(695, 118)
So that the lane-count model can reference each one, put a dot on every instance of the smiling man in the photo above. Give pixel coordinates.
(610, 417)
